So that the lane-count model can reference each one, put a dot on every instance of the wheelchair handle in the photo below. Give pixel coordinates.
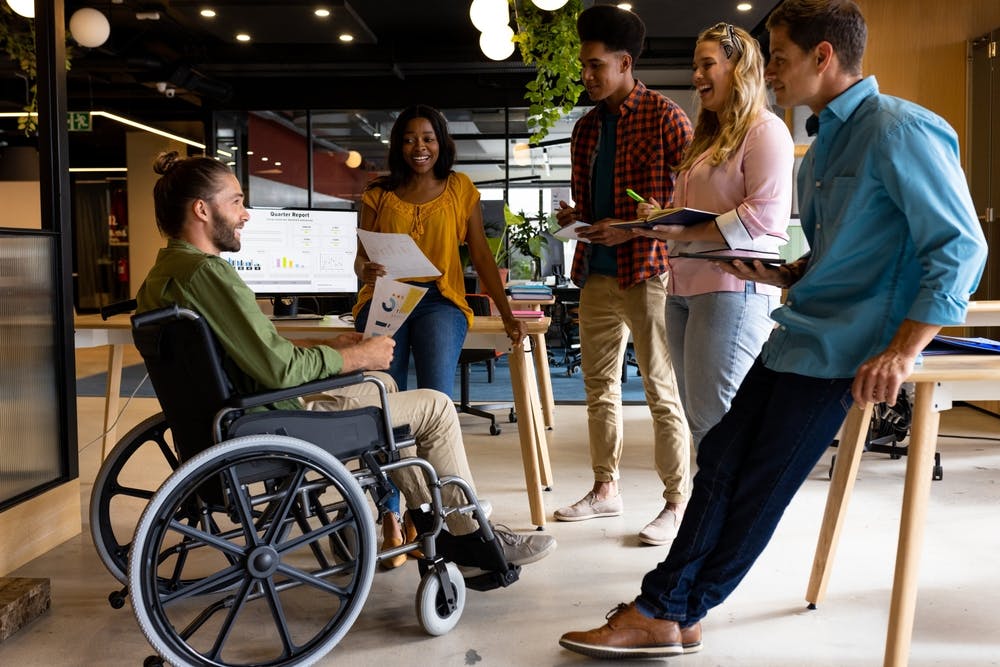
(126, 306)
(173, 312)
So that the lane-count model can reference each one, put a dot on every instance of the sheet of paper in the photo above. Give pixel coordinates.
(398, 253)
(392, 302)
(569, 232)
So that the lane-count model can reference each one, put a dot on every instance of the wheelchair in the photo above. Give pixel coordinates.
(259, 546)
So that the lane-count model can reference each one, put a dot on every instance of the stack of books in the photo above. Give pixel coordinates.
(535, 292)
(527, 293)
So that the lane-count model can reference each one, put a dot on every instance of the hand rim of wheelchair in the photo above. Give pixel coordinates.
(147, 599)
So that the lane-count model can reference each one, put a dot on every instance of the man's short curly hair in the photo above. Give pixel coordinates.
(618, 29)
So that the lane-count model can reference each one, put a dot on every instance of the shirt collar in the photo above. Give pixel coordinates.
(631, 102)
(845, 104)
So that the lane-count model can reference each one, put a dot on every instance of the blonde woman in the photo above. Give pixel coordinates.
(739, 164)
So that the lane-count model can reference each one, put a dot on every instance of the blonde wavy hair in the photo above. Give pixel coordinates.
(747, 97)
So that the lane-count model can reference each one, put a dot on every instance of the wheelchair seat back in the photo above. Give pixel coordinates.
(184, 361)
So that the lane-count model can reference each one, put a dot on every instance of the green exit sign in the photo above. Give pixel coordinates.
(78, 121)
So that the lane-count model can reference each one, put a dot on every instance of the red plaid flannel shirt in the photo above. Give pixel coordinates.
(652, 135)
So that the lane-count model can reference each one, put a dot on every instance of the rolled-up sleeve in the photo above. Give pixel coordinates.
(923, 176)
(760, 221)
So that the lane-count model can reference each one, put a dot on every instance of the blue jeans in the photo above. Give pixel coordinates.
(714, 339)
(434, 333)
(749, 467)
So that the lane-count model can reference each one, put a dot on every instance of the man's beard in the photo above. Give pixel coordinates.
(223, 235)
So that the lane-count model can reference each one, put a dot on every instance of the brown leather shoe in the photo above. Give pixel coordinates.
(691, 638)
(630, 634)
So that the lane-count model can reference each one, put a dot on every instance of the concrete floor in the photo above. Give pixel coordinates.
(599, 563)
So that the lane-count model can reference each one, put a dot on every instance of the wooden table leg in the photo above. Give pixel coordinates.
(540, 353)
(916, 493)
(527, 415)
(111, 399)
(541, 437)
(845, 470)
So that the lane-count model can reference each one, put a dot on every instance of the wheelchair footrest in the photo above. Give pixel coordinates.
(490, 580)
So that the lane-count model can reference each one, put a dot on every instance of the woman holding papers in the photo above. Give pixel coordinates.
(740, 164)
(439, 208)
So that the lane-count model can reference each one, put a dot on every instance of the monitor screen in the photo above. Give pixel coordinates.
(298, 252)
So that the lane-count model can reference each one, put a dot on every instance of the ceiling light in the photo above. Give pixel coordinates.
(353, 159)
(376, 134)
(263, 158)
(322, 13)
(277, 164)
(25, 8)
(249, 152)
(385, 141)
(346, 37)
(89, 27)
(498, 43)
(208, 13)
(744, 7)
(549, 5)
(627, 6)
(488, 14)
(91, 170)
(242, 37)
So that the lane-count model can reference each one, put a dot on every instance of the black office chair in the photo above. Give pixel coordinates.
(480, 304)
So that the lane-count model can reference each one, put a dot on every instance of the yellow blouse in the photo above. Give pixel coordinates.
(439, 227)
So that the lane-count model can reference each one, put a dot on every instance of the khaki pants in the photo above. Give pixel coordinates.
(607, 314)
(434, 423)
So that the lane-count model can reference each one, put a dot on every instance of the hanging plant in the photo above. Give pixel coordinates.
(17, 40)
(549, 41)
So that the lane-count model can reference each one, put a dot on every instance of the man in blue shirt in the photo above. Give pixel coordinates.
(895, 251)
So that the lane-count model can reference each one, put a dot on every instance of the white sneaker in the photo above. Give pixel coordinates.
(663, 528)
(590, 507)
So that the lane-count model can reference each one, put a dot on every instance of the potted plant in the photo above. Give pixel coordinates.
(549, 41)
(525, 242)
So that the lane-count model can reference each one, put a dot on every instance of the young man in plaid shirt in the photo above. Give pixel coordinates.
(631, 139)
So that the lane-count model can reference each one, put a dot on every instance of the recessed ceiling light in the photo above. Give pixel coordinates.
(744, 7)
(346, 37)
(277, 164)
(385, 141)
(322, 13)
(263, 158)
(242, 37)
(249, 152)
(208, 13)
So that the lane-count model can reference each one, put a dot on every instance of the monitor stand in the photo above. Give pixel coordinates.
(286, 306)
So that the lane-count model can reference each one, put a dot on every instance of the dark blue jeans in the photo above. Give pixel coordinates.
(434, 333)
(749, 467)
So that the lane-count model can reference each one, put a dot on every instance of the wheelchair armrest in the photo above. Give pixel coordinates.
(314, 387)
(119, 307)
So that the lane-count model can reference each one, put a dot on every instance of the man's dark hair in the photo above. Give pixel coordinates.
(838, 22)
(182, 180)
(399, 170)
(618, 29)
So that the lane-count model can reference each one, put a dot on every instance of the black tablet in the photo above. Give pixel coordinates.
(728, 258)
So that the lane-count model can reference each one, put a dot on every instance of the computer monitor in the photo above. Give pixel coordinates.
(298, 252)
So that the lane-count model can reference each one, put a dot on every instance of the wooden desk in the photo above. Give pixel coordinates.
(940, 380)
(486, 332)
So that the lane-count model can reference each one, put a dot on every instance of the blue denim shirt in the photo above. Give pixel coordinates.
(892, 232)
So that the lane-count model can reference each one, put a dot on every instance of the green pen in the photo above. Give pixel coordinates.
(635, 195)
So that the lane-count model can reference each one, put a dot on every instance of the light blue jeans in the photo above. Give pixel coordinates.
(713, 340)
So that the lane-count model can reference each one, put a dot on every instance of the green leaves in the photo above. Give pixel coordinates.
(549, 41)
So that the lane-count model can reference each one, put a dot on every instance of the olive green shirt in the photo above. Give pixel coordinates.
(258, 357)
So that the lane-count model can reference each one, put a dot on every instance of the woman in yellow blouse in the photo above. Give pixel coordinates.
(422, 196)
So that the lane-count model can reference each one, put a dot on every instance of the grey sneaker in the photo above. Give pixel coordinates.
(663, 528)
(589, 507)
(517, 549)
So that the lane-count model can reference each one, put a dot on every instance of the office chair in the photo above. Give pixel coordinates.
(480, 304)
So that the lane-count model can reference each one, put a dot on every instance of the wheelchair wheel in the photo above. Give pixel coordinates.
(261, 584)
(128, 478)
(432, 607)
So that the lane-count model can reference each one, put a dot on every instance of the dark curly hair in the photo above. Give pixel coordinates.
(618, 29)
(182, 180)
(399, 171)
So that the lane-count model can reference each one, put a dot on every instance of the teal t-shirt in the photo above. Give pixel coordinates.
(604, 259)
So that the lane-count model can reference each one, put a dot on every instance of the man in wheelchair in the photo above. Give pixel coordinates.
(199, 207)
